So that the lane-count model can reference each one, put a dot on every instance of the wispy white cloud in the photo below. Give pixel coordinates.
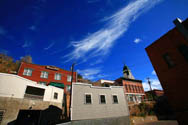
(4, 51)
(33, 28)
(26, 44)
(153, 72)
(137, 40)
(155, 84)
(100, 42)
(92, 73)
(49, 46)
(2, 31)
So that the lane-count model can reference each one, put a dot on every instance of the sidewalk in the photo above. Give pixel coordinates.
(165, 122)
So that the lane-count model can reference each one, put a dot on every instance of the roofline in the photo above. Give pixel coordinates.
(45, 65)
(134, 80)
(164, 35)
(97, 87)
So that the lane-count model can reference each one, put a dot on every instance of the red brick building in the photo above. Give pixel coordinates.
(47, 75)
(133, 88)
(155, 93)
(169, 57)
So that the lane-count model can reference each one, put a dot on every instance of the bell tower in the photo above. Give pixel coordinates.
(127, 73)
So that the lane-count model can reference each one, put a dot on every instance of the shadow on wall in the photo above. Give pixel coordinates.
(163, 110)
(50, 116)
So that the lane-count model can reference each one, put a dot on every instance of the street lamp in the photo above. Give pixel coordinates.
(70, 106)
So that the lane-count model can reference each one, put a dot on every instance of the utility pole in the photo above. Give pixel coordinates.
(70, 106)
(149, 82)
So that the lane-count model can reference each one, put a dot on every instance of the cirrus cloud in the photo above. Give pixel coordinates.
(100, 42)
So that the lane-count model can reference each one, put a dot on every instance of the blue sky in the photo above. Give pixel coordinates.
(99, 35)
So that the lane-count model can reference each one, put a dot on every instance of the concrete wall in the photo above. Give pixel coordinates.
(11, 107)
(82, 111)
(12, 90)
(14, 86)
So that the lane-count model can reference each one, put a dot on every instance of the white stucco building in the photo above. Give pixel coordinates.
(94, 102)
(19, 93)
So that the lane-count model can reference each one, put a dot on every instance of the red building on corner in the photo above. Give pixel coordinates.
(169, 57)
(47, 75)
(133, 88)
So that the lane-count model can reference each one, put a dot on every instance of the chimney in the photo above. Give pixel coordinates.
(181, 28)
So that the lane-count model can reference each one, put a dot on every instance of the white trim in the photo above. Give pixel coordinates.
(85, 98)
(134, 94)
(17, 77)
(100, 99)
(113, 98)
(97, 87)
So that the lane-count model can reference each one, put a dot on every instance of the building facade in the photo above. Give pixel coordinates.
(154, 94)
(133, 89)
(18, 93)
(47, 75)
(169, 57)
(95, 104)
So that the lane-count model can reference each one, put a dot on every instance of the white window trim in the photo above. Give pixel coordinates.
(85, 99)
(68, 78)
(55, 77)
(57, 96)
(100, 99)
(27, 71)
(43, 75)
(113, 99)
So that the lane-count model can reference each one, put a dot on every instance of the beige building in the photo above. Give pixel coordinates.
(95, 102)
(19, 93)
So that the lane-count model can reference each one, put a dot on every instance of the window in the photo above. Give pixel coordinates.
(126, 87)
(183, 49)
(168, 60)
(68, 88)
(87, 98)
(34, 92)
(69, 78)
(133, 87)
(115, 99)
(43, 83)
(55, 95)
(102, 99)
(44, 74)
(1, 115)
(27, 72)
(57, 76)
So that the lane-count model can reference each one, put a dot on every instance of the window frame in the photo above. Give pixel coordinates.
(69, 76)
(26, 73)
(55, 95)
(42, 83)
(85, 102)
(43, 75)
(113, 102)
(56, 76)
(168, 60)
(104, 98)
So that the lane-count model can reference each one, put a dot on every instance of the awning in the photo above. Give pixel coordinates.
(59, 85)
